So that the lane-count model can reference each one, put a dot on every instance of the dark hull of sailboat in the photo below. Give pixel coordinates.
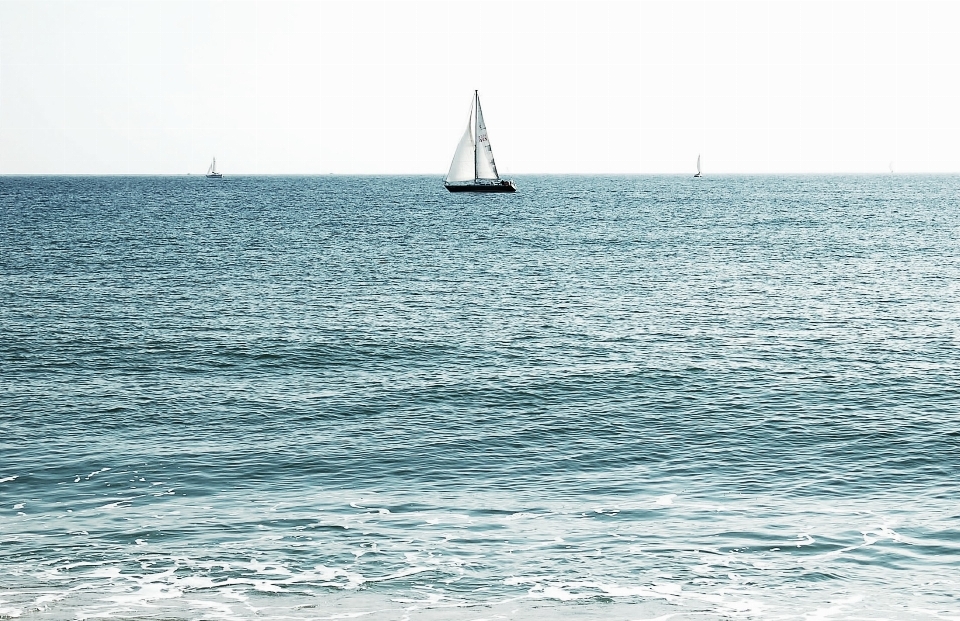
(502, 186)
(215, 176)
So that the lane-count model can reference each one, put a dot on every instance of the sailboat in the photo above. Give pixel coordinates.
(212, 171)
(473, 168)
(698, 166)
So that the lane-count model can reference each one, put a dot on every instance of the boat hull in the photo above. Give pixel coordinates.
(215, 176)
(502, 186)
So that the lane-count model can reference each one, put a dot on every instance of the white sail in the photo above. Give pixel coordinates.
(213, 166)
(698, 163)
(486, 167)
(473, 168)
(461, 168)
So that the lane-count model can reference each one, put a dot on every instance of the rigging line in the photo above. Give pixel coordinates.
(476, 133)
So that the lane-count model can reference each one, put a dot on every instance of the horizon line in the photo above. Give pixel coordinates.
(524, 174)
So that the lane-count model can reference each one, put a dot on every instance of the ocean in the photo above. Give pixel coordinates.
(607, 397)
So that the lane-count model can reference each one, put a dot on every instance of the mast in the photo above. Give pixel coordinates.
(476, 132)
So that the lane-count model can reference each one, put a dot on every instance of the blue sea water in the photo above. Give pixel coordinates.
(364, 397)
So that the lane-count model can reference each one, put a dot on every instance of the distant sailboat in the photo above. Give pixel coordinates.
(473, 168)
(698, 167)
(891, 167)
(212, 171)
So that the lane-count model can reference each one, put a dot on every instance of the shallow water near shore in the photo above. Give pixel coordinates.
(364, 397)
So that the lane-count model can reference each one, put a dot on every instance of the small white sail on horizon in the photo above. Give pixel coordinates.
(473, 168)
(698, 166)
(212, 170)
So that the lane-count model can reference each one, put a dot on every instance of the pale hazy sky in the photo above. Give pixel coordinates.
(158, 87)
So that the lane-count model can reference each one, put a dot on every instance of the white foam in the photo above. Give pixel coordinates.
(266, 586)
(667, 589)
(518, 580)
(148, 592)
(522, 515)
(556, 592)
(49, 597)
(224, 609)
(119, 504)
(614, 590)
(96, 472)
(8, 479)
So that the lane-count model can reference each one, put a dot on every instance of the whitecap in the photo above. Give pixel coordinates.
(120, 504)
(49, 597)
(614, 590)
(228, 592)
(556, 592)
(521, 515)
(8, 479)
(266, 586)
(518, 580)
(823, 613)
(268, 568)
(95, 472)
(195, 582)
(146, 593)
(325, 576)
(667, 589)
(222, 608)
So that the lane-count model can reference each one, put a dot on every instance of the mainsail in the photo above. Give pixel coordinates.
(486, 167)
(213, 167)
